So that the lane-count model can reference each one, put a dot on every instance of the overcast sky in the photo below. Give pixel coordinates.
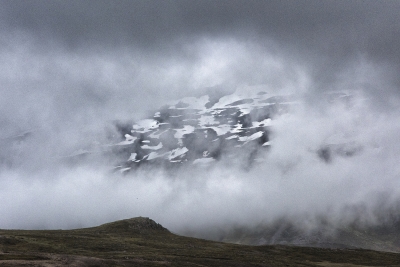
(69, 68)
(66, 66)
(142, 52)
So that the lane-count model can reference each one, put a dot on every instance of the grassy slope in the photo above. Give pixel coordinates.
(142, 242)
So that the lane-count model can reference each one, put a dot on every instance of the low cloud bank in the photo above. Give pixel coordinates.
(62, 90)
(293, 182)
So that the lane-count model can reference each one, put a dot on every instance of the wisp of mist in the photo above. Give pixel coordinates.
(291, 182)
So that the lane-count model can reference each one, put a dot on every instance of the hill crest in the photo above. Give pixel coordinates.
(137, 224)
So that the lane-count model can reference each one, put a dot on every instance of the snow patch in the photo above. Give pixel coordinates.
(129, 140)
(251, 137)
(177, 152)
(232, 137)
(124, 169)
(133, 157)
(144, 126)
(153, 155)
(203, 161)
(266, 144)
(264, 123)
(206, 120)
(187, 129)
(222, 129)
(157, 147)
(238, 128)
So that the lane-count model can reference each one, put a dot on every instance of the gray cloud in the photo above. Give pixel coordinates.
(327, 35)
(293, 183)
(336, 28)
(69, 68)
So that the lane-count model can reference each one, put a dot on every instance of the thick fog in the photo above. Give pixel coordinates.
(69, 70)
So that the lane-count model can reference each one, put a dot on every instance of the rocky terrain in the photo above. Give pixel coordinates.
(203, 130)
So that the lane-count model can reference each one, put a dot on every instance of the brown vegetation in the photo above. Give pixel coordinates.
(143, 242)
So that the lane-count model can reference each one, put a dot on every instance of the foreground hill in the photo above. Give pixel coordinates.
(143, 242)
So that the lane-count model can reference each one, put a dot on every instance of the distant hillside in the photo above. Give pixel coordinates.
(382, 237)
(143, 242)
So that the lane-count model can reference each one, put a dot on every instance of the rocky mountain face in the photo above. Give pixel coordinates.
(193, 131)
(203, 130)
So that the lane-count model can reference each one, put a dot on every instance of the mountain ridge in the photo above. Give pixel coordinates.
(198, 131)
(201, 131)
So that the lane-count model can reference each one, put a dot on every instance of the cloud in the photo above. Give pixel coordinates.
(68, 69)
(293, 183)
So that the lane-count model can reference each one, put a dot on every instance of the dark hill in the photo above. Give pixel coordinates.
(134, 225)
(143, 242)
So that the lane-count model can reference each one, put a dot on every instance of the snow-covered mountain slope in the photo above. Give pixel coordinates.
(203, 130)
(194, 131)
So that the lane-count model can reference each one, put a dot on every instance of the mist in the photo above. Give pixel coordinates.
(65, 80)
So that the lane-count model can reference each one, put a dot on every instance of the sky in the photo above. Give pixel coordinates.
(68, 69)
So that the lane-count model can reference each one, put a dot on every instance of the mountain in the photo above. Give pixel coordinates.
(204, 130)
